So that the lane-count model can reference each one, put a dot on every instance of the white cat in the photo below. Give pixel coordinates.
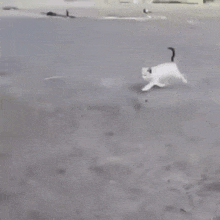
(160, 75)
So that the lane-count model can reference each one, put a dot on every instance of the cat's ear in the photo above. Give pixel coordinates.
(149, 70)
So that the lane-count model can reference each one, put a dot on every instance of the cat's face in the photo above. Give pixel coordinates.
(146, 73)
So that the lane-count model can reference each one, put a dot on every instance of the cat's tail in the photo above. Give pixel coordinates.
(173, 55)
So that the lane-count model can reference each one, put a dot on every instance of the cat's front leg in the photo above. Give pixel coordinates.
(148, 87)
(160, 84)
(180, 76)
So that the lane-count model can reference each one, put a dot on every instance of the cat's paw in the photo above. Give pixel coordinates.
(184, 80)
(161, 84)
(144, 90)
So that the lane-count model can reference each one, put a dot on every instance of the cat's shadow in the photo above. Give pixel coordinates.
(137, 88)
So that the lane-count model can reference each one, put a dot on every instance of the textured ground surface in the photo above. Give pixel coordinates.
(88, 144)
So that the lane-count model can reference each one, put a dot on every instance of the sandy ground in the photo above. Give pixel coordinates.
(79, 140)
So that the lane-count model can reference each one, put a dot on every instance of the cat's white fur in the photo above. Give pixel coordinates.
(161, 75)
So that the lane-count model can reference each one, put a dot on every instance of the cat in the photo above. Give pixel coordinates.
(160, 75)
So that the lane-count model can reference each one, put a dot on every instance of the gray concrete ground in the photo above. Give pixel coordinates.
(79, 140)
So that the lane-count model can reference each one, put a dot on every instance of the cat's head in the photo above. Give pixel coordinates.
(146, 73)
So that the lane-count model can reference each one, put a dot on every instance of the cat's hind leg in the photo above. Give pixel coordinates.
(180, 76)
(183, 79)
(148, 87)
